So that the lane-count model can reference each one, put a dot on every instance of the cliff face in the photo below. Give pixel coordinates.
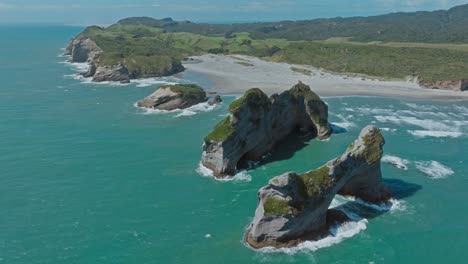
(257, 123)
(294, 207)
(173, 97)
(83, 49)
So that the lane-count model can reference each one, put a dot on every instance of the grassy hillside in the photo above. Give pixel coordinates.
(148, 50)
(443, 26)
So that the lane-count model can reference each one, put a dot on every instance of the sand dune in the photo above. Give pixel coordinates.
(233, 74)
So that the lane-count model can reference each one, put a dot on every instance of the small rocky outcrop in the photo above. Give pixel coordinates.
(116, 73)
(216, 100)
(257, 123)
(293, 207)
(171, 97)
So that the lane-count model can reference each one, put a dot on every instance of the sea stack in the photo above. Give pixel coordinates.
(293, 207)
(171, 97)
(256, 123)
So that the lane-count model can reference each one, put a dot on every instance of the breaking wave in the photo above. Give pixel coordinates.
(434, 169)
(337, 235)
(437, 134)
(396, 161)
(241, 176)
(193, 110)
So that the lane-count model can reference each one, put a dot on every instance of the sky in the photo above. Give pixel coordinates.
(102, 12)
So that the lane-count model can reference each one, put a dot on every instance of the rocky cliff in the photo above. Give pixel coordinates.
(171, 97)
(257, 123)
(83, 49)
(293, 207)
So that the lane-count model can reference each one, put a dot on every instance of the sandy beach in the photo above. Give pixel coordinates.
(234, 74)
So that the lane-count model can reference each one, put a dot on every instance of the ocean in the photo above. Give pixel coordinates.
(86, 177)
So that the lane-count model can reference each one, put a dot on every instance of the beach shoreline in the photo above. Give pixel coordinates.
(234, 74)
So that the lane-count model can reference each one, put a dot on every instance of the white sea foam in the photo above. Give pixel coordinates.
(427, 124)
(337, 235)
(396, 161)
(193, 110)
(155, 81)
(345, 122)
(241, 176)
(434, 169)
(387, 129)
(437, 134)
(391, 205)
(80, 67)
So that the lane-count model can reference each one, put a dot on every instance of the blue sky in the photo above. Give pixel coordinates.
(85, 12)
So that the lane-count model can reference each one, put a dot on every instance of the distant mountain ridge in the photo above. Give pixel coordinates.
(441, 26)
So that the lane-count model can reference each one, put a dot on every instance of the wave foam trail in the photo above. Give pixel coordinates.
(154, 81)
(193, 110)
(396, 161)
(241, 176)
(337, 234)
(436, 134)
(434, 169)
(80, 67)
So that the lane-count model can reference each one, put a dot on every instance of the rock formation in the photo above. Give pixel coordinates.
(257, 123)
(216, 100)
(83, 49)
(171, 97)
(116, 73)
(460, 85)
(293, 207)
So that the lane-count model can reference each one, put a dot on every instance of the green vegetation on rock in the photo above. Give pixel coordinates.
(221, 131)
(185, 88)
(254, 98)
(373, 147)
(316, 181)
(302, 90)
(276, 206)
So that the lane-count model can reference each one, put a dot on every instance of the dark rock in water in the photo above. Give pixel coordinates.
(116, 73)
(216, 100)
(293, 207)
(171, 97)
(91, 71)
(257, 123)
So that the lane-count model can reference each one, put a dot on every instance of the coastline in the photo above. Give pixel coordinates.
(234, 74)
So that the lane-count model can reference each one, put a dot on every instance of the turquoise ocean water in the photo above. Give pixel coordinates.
(85, 177)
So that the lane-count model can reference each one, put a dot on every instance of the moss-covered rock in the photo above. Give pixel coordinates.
(295, 207)
(258, 122)
(171, 97)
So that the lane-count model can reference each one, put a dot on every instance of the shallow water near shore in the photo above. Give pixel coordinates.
(86, 177)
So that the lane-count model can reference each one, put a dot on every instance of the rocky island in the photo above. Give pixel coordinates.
(257, 123)
(180, 96)
(293, 207)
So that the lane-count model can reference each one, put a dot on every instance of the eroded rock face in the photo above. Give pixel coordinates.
(173, 97)
(257, 123)
(293, 207)
(116, 73)
(83, 50)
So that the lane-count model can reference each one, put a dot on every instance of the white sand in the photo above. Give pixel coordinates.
(230, 77)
